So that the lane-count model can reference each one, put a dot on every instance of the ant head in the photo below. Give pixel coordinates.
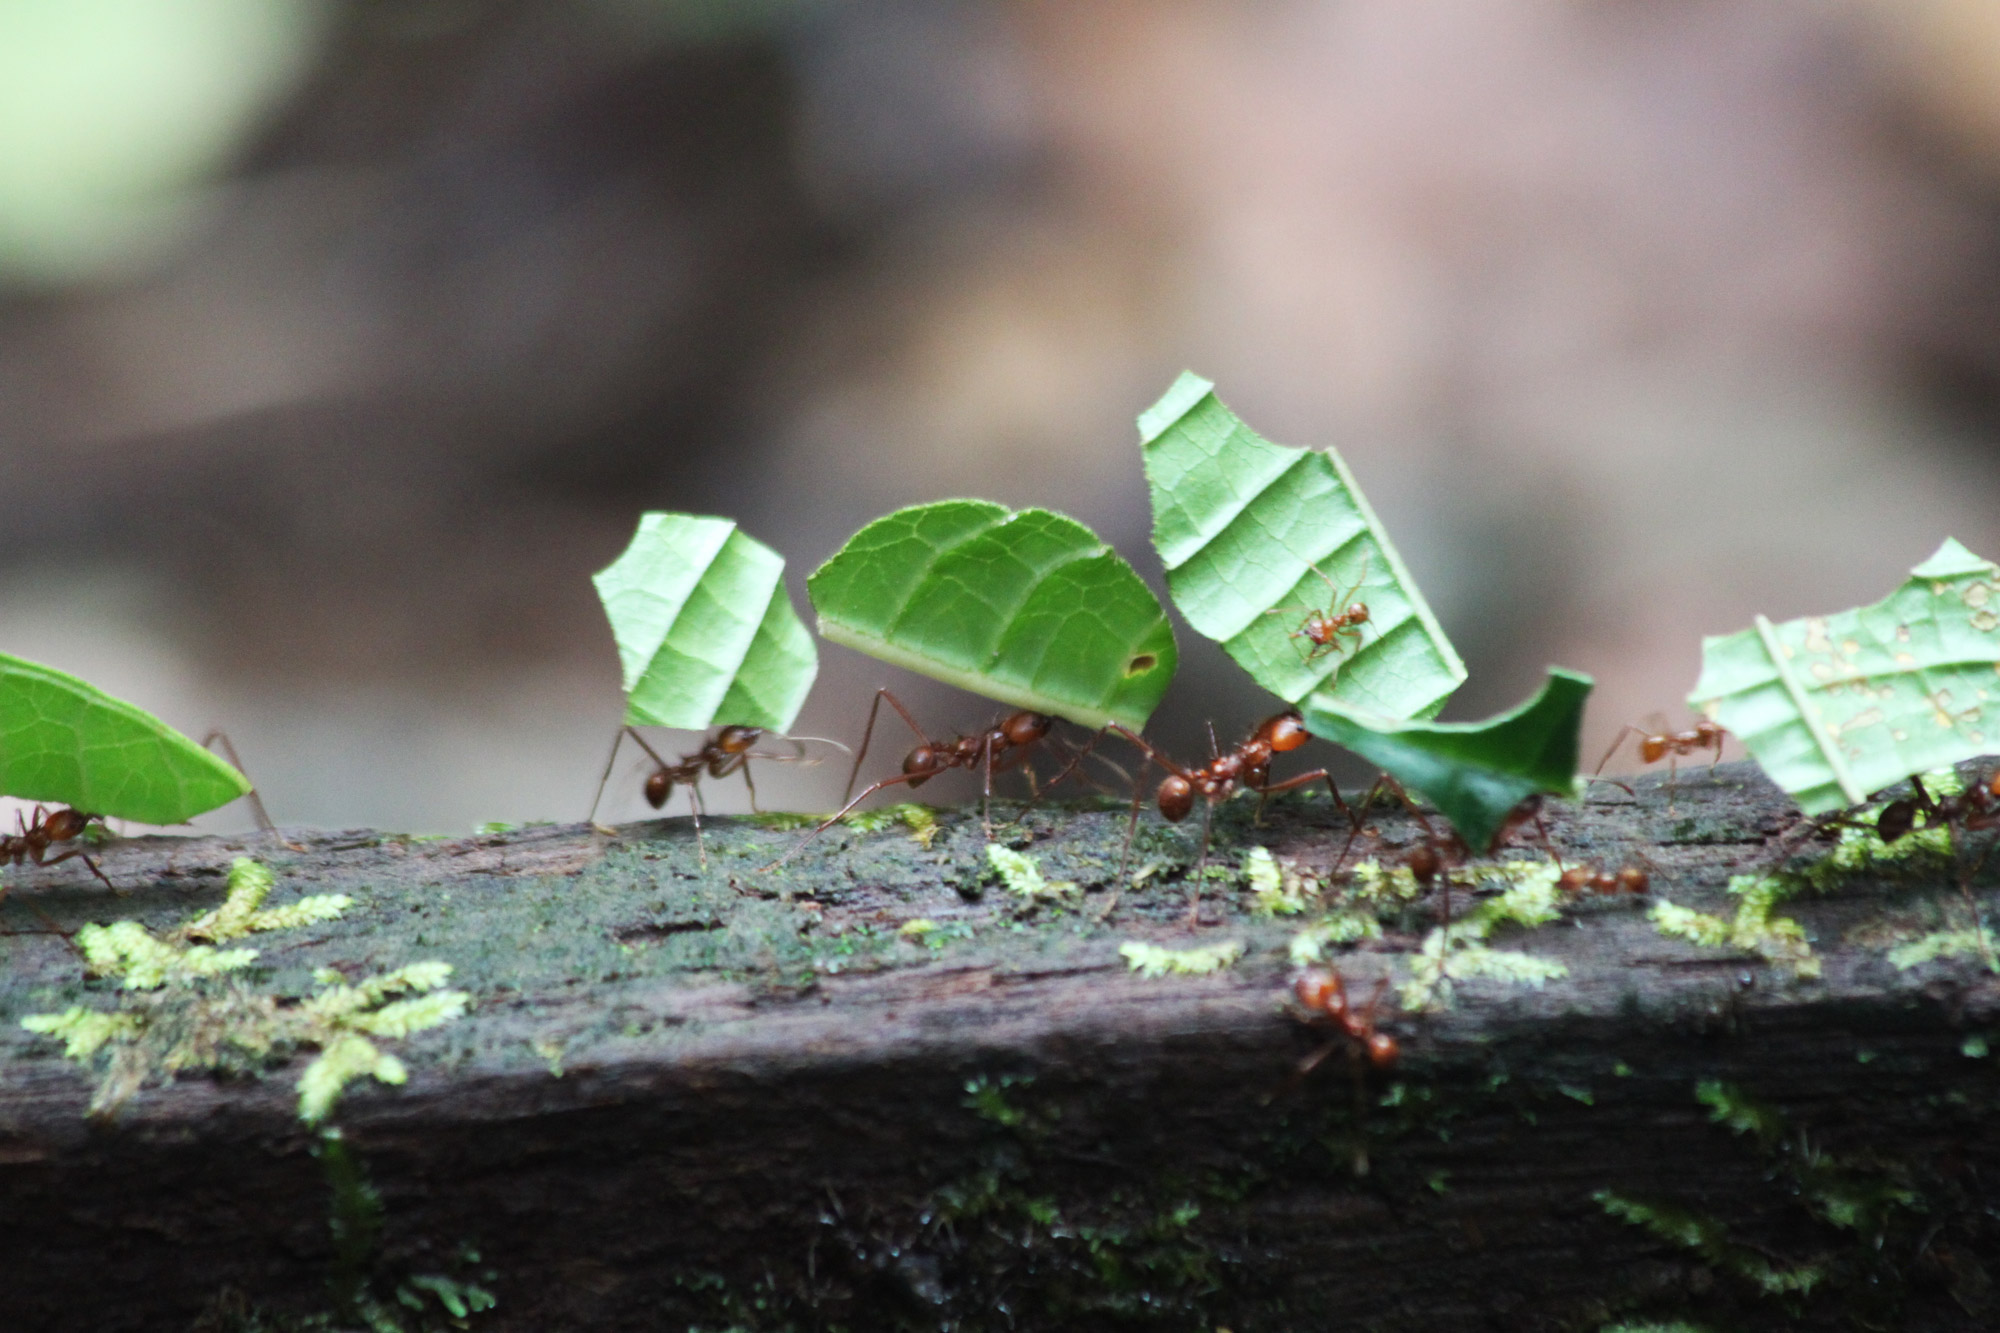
(1176, 798)
(1286, 731)
(1382, 1050)
(658, 788)
(1357, 614)
(735, 740)
(1025, 728)
(1634, 880)
(922, 764)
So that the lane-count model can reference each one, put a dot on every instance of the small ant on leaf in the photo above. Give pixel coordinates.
(1324, 994)
(1005, 744)
(728, 751)
(1248, 765)
(1325, 629)
(32, 841)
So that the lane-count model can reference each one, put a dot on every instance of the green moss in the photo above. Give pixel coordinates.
(184, 1006)
(1528, 898)
(1152, 961)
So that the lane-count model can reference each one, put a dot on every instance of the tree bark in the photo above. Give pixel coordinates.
(719, 1097)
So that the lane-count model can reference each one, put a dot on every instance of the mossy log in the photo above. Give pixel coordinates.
(714, 1096)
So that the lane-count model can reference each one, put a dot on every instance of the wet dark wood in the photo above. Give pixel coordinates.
(685, 1092)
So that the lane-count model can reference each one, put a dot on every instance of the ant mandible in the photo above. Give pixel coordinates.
(1005, 744)
(1325, 629)
(1324, 994)
(728, 751)
(32, 840)
(1247, 765)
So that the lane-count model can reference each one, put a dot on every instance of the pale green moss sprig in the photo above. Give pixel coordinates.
(1150, 960)
(183, 1007)
(1753, 928)
(1022, 877)
(1459, 951)
(1709, 1239)
(1277, 888)
(1948, 944)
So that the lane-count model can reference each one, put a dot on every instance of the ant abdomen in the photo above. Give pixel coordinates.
(921, 765)
(659, 786)
(1176, 798)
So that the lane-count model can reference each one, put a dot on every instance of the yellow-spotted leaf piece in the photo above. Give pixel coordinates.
(1837, 706)
(1028, 608)
(706, 632)
(66, 742)
(1263, 543)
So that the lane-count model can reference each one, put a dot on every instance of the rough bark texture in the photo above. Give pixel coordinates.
(736, 1098)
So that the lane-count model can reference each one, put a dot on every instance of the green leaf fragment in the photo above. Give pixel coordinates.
(1835, 707)
(1252, 533)
(1028, 608)
(67, 742)
(706, 632)
(1475, 773)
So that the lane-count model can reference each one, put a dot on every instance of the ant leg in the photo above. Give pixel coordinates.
(868, 734)
(77, 853)
(1074, 765)
(742, 765)
(1627, 730)
(694, 810)
(1200, 866)
(617, 739)
(257, 810)
(840, 814)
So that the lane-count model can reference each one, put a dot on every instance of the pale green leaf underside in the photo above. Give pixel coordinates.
(706, 634)
(1835, 707)
(1243, 525)
(1473, 772)
(1027, 607)
(67, 742)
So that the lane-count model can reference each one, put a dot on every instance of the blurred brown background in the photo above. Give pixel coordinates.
(341, 341)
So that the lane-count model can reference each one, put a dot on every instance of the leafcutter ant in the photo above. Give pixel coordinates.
(1324, 994)
(1247, 765)
(32, 840)
(1975, 809)
(1005, 744)
(729, 750)
(1326, 629)
(1670, 745)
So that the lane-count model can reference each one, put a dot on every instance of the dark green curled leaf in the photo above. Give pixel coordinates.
(1475, 773)
(66, 742)
(1253, 533)
(1028, 608)
(706, 633)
